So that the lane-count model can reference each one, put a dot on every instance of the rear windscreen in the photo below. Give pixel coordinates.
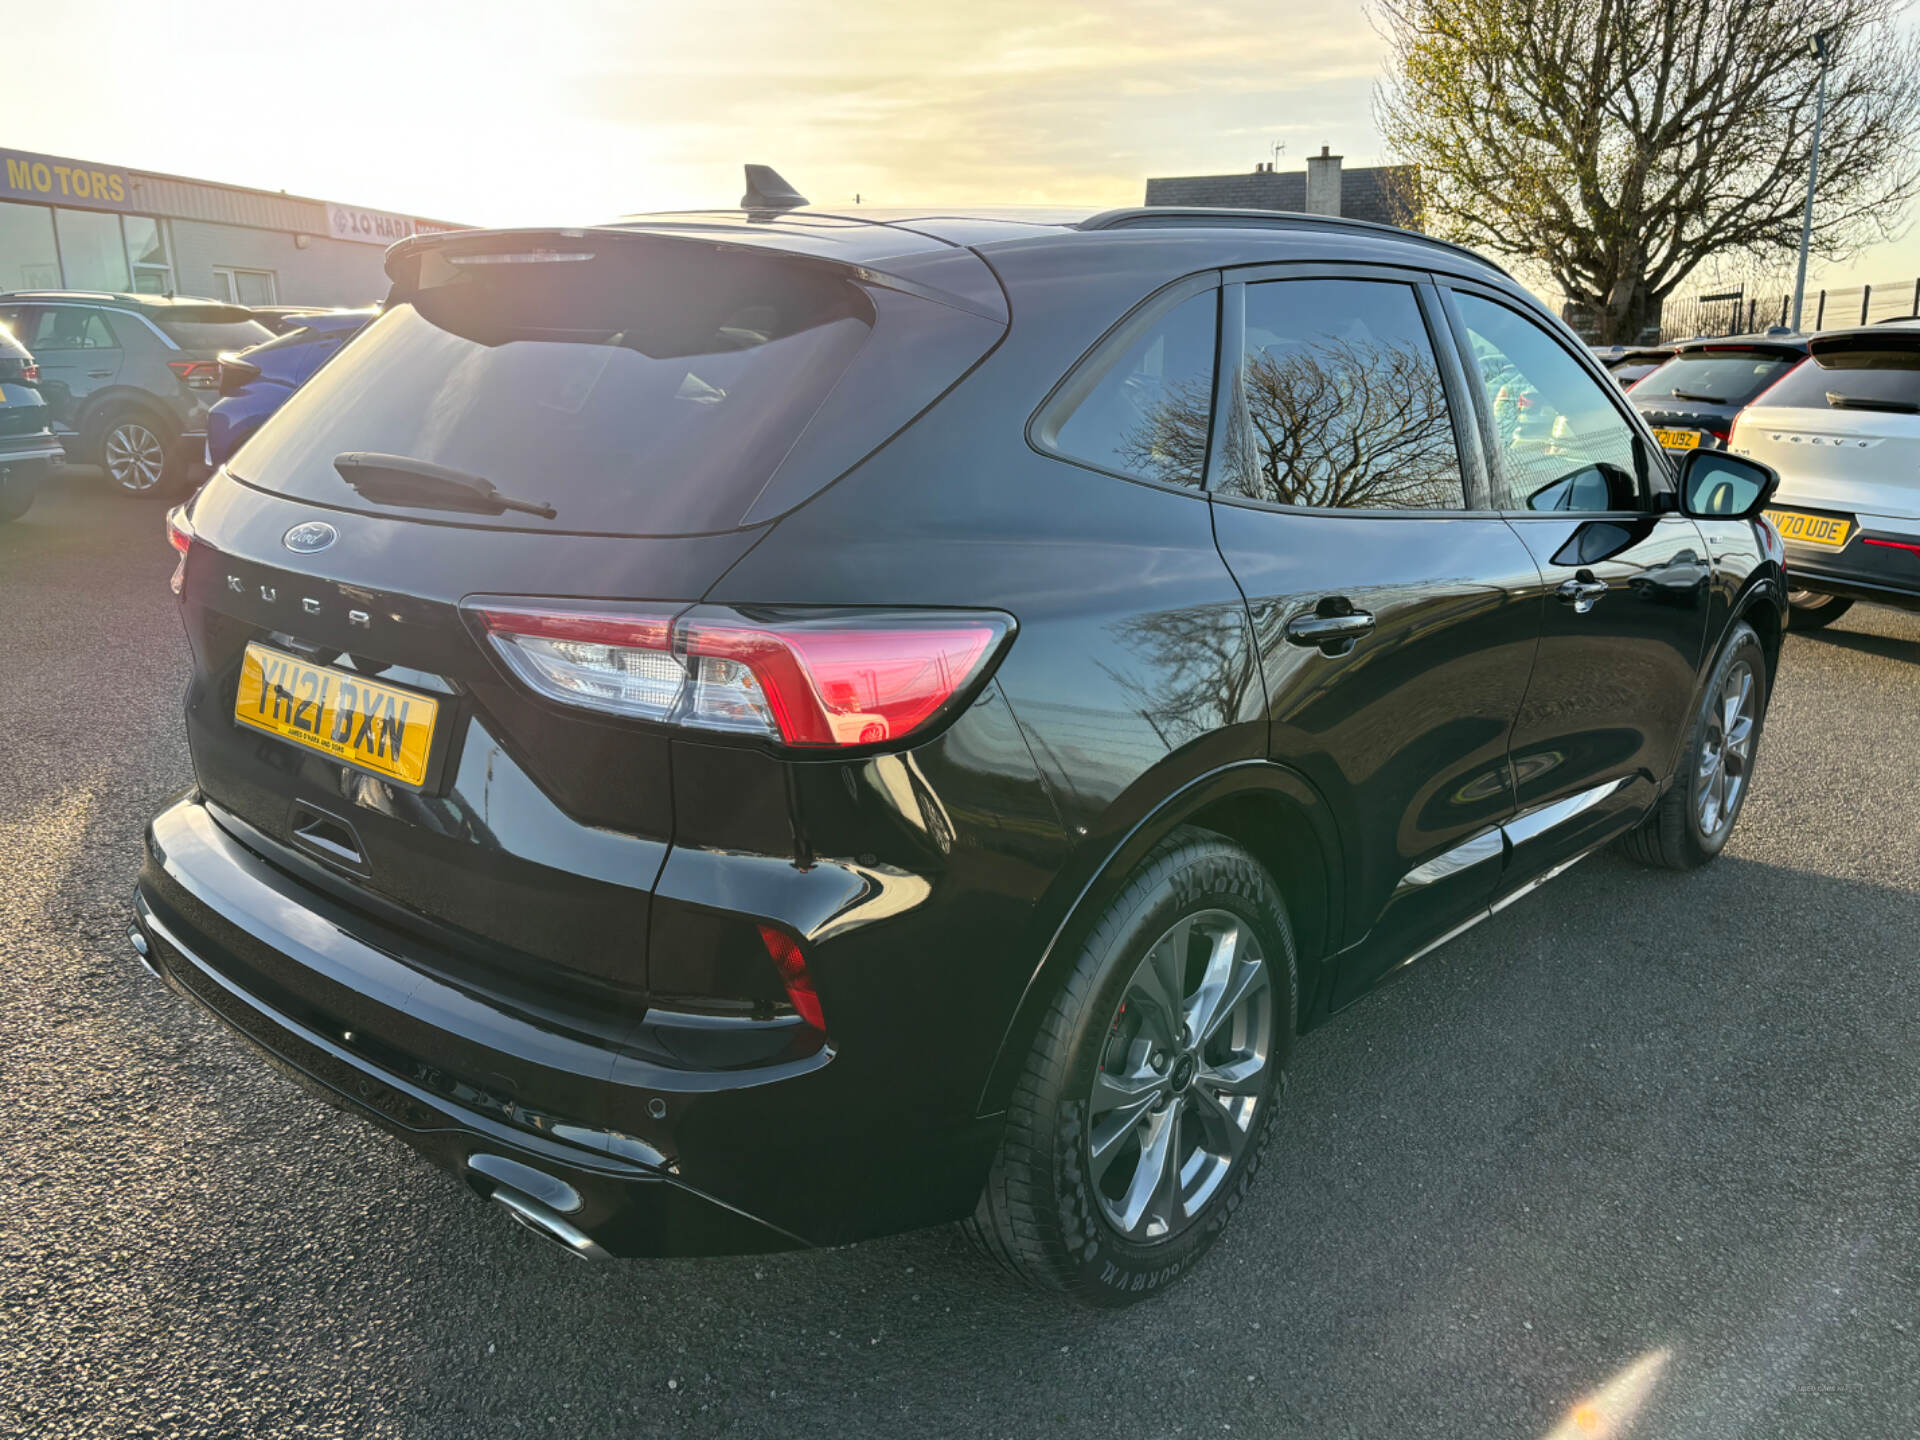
(1889, 377)
(214, 334)
(653, 389)
(1713, 379)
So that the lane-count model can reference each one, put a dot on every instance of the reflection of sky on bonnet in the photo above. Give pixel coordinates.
(496, 112)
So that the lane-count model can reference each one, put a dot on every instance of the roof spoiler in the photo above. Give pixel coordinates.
(1871, 337)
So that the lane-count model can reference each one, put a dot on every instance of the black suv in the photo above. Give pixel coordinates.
(755, 729)
(129, 378)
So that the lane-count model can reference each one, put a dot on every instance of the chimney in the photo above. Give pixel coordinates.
(1323, 183)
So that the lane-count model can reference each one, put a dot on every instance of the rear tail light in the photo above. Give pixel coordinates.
(784, 951)
(30, 373)
(180, 536)
(812, 680)
(196, 374)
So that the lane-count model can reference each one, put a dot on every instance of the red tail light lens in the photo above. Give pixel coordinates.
(200, 374)
(784, 951)
(180, 536)
(818, 681)
(1890, 544)
(30, 373)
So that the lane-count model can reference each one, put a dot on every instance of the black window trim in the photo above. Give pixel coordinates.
(1233, 324)
(1659, 475)
(1093, 366)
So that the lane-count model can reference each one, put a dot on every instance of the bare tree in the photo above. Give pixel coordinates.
(1619, 143)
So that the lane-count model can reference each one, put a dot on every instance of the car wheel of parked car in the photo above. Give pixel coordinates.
(1810, 610)
(15, 500)
(1137, 1125)
(1697, 814)
(135, 448)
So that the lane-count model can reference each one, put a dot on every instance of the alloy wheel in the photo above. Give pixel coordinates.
(135, 457)
(1173, 1102)
(1726, 756)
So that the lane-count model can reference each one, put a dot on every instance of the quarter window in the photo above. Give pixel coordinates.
(1145, 412)
(1559, 441)
(1342, 401)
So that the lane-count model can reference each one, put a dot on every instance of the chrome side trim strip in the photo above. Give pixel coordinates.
(1482, 847)
(1541, 879)
(1453, 934)
(1531, 824)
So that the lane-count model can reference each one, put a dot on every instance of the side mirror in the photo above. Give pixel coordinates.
(1715, 485)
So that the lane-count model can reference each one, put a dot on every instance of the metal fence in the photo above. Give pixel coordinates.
(1740, 313)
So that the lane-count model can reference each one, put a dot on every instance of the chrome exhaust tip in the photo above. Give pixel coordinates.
(548, 1225)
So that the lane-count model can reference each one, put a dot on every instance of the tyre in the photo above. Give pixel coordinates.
(1691, 824)
(17, 493)
(1137, 1124)
(135, 447)
(1810, 610)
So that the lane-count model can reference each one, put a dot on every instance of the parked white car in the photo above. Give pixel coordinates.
(1843, 430)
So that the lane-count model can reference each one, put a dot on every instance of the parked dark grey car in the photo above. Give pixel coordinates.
(27, 447)
(128, 378)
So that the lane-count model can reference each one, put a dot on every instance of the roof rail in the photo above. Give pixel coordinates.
(1146, 215)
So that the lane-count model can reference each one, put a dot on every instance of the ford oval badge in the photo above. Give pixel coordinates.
(313, 535)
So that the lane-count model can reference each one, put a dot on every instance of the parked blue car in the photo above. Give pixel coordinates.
(256, 382)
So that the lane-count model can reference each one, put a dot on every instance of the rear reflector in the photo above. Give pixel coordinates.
(1890, 544)
(815, 680)
(784, 951)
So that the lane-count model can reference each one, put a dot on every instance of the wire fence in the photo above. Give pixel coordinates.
(1737, 312)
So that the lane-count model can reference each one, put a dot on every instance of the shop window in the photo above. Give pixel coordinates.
(91, 250)
(28, 259)
(147, 252)
(244, 287)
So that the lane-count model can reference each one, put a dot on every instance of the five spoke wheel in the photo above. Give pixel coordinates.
(1173, 1101)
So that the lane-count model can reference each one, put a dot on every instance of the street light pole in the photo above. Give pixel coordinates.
(1819, 45)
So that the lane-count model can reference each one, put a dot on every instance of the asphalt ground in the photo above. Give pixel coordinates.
(1640, 1155)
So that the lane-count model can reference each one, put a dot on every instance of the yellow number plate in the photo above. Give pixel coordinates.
(1678, 439)
(1823, 532)
(347, 716)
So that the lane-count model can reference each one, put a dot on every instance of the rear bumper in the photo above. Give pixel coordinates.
(659, 1159)
(25, 459)
(1880, 574)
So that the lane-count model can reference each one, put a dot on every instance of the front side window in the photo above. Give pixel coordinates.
(1342, 403)
(1559, 441)
(1145, 411)
(66, 327)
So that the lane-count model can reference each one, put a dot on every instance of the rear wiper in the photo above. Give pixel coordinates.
(402, 480)
(1703, 399)
(1868, 402)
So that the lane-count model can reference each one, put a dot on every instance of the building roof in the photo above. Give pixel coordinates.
(1380, 193)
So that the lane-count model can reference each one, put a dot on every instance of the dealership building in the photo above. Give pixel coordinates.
(82, 225)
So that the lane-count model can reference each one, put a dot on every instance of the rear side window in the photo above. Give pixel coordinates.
(66, 327)
(1712, 377)
(1144, 411)
(1560, 441)
(1886, 379)
(1343, 404)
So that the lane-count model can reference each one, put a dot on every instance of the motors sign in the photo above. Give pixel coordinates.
(51, 178)
(369, 227)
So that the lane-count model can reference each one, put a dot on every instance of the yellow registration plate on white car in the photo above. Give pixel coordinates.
(1822, 532)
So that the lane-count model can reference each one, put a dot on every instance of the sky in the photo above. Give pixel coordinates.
(570, 111)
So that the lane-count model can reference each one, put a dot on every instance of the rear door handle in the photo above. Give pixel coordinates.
(1582, 592)
(1331, 634)
(99, 374)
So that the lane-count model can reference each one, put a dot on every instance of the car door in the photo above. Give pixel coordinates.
(1395, 616)
(78, 355)
(1624, 584)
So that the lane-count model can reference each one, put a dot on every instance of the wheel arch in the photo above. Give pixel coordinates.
(1270, 810)
(102, 405)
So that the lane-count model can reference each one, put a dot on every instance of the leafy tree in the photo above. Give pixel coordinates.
(1617, 144)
